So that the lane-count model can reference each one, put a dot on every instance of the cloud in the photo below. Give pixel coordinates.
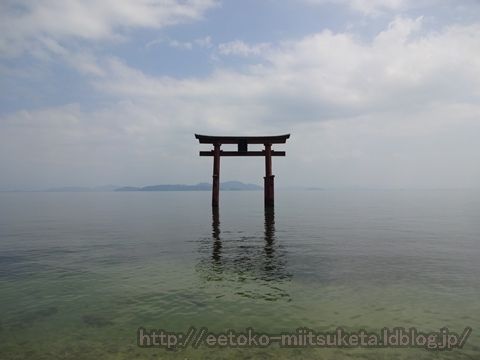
(127, 141)
(329, 75)
(185, 45)
(204, 42)
(241, 48)
(23, 23)
(400, 109)
(377, 7)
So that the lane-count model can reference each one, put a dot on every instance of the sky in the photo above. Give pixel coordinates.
(375, 93)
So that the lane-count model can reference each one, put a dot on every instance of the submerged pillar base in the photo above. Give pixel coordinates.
(269, 190)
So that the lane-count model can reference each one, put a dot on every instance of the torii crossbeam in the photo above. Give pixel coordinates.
(242, 142)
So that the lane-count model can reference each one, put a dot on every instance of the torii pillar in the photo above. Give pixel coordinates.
(242, 143)
(216, 175)
(268, 187)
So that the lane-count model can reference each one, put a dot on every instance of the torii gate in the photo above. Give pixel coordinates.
(242, 142)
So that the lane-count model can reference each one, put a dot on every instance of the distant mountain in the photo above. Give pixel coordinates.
(228, 185)
(174, 187)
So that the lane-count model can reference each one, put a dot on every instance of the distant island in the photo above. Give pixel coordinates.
(228, 185)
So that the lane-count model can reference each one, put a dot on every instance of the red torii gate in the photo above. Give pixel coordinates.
(242, 142)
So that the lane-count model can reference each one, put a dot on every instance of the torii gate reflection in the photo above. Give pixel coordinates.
(268, 265)
(242, 142)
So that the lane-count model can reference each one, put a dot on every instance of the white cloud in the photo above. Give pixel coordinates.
(399, 110)
(71, 145)
(238, 47)
(23, 23)
(204, 42)
(377, 7)
(327, 75)
(180, 44)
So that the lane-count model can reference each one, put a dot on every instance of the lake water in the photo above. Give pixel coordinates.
(81, 272)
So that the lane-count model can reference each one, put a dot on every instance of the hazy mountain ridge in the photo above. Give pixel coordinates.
(228, 185)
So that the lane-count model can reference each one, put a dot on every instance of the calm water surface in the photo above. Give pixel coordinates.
(80, 272)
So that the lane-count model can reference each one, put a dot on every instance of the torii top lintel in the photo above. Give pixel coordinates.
(208, 139)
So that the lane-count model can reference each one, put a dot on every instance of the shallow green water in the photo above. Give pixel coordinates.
(80, 272)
